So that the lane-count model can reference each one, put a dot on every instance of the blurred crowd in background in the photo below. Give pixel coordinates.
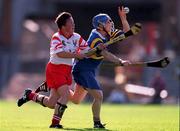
(27, 27)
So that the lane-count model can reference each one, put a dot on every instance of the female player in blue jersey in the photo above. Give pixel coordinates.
(84, 70)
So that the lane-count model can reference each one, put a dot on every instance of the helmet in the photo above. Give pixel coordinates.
(100, 19)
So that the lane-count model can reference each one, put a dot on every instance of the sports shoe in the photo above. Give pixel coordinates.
(24, 98)
(56, 126)
(99, 126)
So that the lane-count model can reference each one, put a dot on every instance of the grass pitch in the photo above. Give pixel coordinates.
(33, 117)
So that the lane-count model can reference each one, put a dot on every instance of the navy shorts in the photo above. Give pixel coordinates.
(87, 79)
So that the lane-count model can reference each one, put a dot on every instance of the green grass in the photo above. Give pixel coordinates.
(32, 117)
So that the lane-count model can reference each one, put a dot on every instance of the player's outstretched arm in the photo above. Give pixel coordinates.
(122, 14)
(64, 54)
(112, 58)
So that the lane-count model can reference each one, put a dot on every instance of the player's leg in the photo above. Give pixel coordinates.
(51, 100)
(60, 106)
(96, 106)
(87, 79)
(78, 94)
(38, 98)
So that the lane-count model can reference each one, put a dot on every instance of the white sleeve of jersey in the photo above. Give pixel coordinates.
(56, 45)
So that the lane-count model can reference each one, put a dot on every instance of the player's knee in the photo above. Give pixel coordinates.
(99, 97)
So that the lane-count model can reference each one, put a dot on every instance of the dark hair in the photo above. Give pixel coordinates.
(62, 18)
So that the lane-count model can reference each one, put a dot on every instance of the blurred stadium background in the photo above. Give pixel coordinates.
(26, 28)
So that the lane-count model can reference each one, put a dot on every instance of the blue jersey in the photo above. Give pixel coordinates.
(84, 71)
(95, 60)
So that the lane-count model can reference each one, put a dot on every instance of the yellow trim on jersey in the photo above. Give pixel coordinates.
(97, 58)
(92, 46)
(94, 42)
(115, 33)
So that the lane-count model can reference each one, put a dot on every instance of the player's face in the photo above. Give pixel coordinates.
(108, 25)
(69, 26)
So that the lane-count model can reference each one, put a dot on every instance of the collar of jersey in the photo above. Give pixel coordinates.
(60, 33)
(95, 31)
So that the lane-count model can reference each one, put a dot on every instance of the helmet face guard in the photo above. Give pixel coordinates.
(99, 21)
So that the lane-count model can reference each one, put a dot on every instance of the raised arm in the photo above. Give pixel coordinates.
(122, 15)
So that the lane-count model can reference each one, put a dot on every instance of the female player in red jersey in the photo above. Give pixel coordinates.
(64, 48)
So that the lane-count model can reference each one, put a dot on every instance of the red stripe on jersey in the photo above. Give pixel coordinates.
(80, 41)
(84, 45)
(59, 45)
(56, 38)
(78, 50)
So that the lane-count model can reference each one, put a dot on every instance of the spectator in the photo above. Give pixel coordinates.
(159, 85)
